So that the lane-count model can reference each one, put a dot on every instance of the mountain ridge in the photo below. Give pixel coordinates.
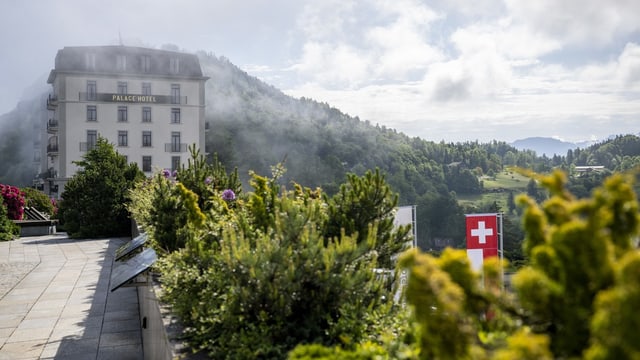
(549, 146)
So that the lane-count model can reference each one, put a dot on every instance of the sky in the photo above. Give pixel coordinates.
(441, 70)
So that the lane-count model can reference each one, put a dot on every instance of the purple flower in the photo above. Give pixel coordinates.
(175, 173)
(208, 180)
(228, 195)
(166, 173)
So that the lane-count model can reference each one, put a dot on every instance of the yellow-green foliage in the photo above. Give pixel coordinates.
(616, 321)
(438, 289)
(256, 276)
(190, 201)
(578, 250)
(524, 345)
(577, 298)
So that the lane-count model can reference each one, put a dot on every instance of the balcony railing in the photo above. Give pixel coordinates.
(87, 146)
(175, 147)
(52, 125)
(52, 149)
(52, 102)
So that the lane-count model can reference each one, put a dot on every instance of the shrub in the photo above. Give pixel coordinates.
(272, 280)
(8, 229)
(156, 203)
(263, 272)
(39, 201)
(13, 199)
(576, 298)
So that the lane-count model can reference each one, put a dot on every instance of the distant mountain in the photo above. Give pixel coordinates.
(548, 146)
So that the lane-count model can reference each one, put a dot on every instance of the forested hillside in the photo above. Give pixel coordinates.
(254, 126)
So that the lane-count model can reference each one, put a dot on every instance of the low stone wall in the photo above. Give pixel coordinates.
(161, 331)
(36, 227)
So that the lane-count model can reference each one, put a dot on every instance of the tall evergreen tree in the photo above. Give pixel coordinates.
(94, 200)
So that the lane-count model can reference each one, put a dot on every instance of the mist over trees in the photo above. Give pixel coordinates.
(253, 126)
(19, 136)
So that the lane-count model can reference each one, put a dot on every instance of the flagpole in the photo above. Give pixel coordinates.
(501, 239)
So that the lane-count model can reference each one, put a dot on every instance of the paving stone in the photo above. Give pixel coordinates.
(22, 350)
(55, 301)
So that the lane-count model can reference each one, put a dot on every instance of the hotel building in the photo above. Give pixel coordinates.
(148, 103)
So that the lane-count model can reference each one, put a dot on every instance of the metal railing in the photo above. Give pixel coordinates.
(52, 102)
(52, 148)
(175, 147)
(52, 125)
(87, 146)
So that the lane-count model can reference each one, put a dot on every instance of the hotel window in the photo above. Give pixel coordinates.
(175, 116)
(146, 88)
(175, 163)
(92, 92)
(146, 114)
(146, 138)
(92, 113)
(123, 138)
(90, 60)
(174, 65)
(146, 163)
(175, 141)
(145, 61)
(122, 114)
(122, 87)
(92, 139)
(121, 62)
(175, 93)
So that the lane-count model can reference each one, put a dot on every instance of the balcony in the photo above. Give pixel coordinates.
(52, 102)
(175, 147)
(52, 126)
(52, 149)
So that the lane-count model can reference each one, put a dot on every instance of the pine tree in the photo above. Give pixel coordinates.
(94, 200)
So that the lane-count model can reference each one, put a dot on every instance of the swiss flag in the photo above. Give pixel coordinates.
(482, 238)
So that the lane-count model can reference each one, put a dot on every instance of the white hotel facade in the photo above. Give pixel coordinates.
(148, 103)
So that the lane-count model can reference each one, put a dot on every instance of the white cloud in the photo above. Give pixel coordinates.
(442, 69)
(581, 22)
(361, 44)
(629, 66)
(332, 65)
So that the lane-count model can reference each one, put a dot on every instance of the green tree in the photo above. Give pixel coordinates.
(94, 200)
(511, 202)
(362, 203)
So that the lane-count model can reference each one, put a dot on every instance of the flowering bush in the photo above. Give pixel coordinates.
(13, 199)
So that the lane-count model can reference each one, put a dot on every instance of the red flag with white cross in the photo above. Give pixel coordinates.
(482, 238)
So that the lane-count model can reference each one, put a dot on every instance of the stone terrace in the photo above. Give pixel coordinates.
(55, 301)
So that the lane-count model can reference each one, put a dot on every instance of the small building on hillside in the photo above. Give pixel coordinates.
(149, 103)
(580, 170)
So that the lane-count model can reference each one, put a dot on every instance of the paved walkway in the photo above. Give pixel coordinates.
(55, 301)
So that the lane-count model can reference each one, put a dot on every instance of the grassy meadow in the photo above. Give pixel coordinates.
(497, 189)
